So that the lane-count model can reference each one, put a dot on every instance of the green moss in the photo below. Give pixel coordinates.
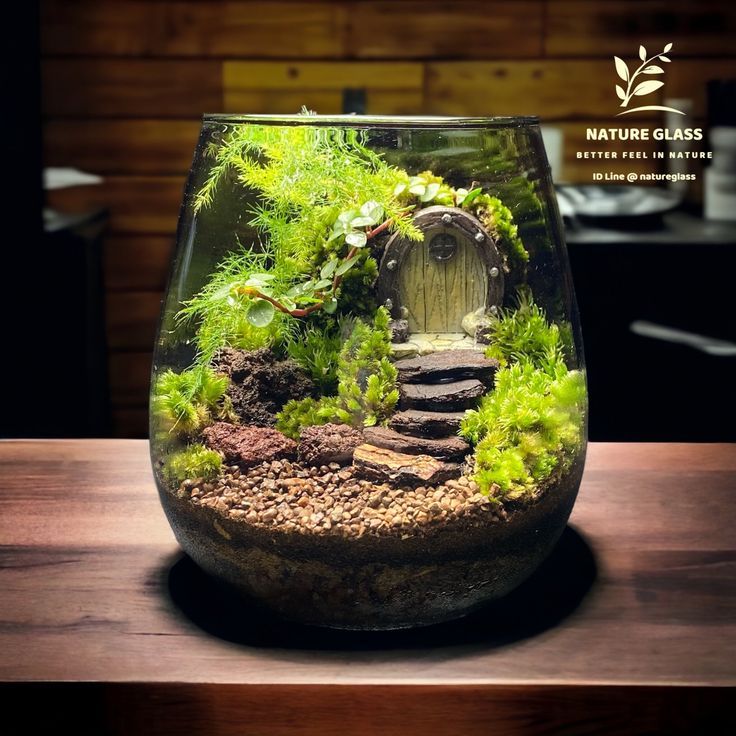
(499, 221)
(524, 335)
(530, 423)
(366, 393)
(195, 461)
(184, 403)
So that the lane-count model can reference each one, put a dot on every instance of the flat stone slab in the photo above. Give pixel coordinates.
(448, 365)
(427, 423)
(453, 396)
(445, 448)
(380, 465)
(426, 343)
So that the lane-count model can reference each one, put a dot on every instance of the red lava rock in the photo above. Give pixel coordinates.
(328, 443)
(247, 446)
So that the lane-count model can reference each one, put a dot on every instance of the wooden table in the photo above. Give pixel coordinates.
(106, 627)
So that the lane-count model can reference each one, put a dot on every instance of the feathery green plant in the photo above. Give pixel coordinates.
(221, 307)
(194, 461)
(184, 403)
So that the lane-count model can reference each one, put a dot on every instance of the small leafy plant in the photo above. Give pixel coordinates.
(366, 393)
(185, 403)
(318, 352)
(194, 461)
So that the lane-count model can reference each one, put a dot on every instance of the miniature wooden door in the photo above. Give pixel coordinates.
(434, 283)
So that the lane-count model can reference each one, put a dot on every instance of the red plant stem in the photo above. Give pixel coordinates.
(379, 229)
(304, 312)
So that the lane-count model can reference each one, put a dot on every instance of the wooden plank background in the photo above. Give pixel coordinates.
(126, 81)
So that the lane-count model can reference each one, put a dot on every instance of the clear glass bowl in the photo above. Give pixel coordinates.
(368, 403)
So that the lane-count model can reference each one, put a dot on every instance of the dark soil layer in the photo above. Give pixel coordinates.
(321, 547)
(260, 384)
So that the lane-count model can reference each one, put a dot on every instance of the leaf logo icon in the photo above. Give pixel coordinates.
(640, 88)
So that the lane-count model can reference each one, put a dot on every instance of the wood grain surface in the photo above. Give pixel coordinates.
(628, 628)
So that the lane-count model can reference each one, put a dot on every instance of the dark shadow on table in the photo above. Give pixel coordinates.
(550, 595)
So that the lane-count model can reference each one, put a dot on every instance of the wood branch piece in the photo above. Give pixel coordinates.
(445, 448)
(386, 466)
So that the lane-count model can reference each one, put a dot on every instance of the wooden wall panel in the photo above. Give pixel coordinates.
(265, 29)
(137, 262)
(554, 90)
(462, 29)
(253, 86)
(115, 88)
(130, 375)
(132, 317)
(137, 204)
(404, 29)
(117, 147)
(607, 27)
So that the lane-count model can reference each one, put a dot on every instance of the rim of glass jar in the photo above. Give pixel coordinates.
(376, 121)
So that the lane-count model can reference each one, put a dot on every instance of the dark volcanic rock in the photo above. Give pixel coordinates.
(446, 448)
(260, 384)
(447, 365)
(248, 446)
(426, 423)
(386, 466)
(452, 396)
(328, 443)
(399, 330)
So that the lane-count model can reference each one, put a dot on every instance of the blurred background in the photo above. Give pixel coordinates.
(119, 87)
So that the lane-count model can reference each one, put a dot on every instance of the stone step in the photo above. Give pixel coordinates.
(447, 365)
(453, 396)
(380, 465)
(426, 423)
(446, 448)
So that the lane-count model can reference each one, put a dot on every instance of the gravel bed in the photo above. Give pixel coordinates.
(328, 500)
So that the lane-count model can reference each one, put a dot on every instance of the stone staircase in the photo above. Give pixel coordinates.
(435, 391)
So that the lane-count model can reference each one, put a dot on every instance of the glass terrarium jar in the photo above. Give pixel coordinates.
(368, 398)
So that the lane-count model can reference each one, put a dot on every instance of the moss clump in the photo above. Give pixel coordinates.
(532, 421)
(524, 335)
(184, 403)
(524, 427)
(499, 221)
(366, 393)
(195, 461)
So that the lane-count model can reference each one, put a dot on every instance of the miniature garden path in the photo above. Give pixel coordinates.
(435, 391)
(426, 343)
